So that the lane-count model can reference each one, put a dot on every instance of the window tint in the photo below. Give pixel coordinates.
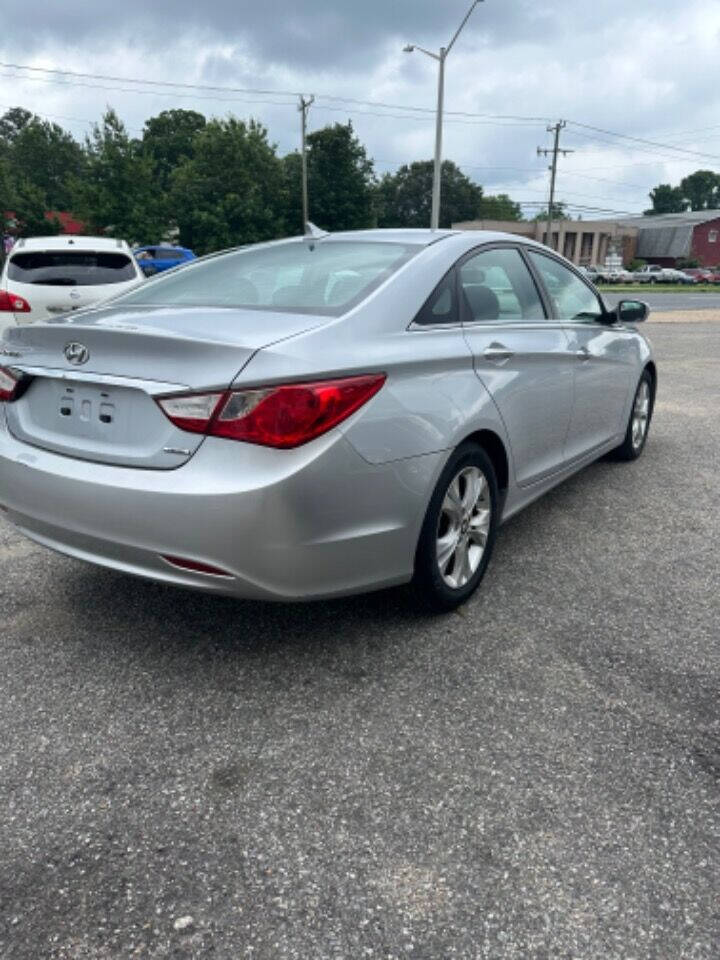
(572, 299)
(326, 277)
(497, 285)
(70, 269)
(441, 305)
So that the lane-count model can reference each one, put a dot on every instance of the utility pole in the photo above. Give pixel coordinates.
(437, 164)
(303, 107)
(556, 128)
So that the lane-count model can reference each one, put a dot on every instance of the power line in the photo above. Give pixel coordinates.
(259, 92)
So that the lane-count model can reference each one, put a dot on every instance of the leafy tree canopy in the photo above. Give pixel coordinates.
(405, 197)
(232, 190)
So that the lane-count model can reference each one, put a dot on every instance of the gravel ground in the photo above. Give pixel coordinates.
(536, 776)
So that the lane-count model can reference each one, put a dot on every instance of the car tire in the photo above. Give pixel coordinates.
(459, 530)
(639, 420)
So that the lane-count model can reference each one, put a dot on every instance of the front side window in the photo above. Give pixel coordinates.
(496, 285)
(572, 299)
(321, 277)
(70, 268)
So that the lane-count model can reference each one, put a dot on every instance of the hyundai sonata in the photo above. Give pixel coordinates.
(319, 416)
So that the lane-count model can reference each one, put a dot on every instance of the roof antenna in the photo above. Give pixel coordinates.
(313, 233)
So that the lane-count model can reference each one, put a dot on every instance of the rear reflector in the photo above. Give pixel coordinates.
(283, 417)
(11, 302)
(9, 381)
(196, 566)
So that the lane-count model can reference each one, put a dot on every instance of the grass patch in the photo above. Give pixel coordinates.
(659, 288)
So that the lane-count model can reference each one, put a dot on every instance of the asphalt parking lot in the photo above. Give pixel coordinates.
(536, 776)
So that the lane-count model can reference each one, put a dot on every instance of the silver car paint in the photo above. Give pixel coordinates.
(342, 513)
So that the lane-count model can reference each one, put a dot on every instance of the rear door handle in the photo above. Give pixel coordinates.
(497, 353)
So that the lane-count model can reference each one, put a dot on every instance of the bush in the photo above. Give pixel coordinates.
(636, 264)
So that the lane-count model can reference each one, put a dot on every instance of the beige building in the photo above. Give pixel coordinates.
(586, 242)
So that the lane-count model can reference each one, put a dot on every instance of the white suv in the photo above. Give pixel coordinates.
(46, 276)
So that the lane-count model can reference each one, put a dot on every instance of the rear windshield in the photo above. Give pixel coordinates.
(319, 277)
(70, 268)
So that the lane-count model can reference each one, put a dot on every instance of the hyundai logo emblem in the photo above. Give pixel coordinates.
(75, 294)
(77, 353)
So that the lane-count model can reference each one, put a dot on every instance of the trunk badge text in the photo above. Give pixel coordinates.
(76, 353)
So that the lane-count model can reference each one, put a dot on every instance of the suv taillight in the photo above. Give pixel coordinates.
(9, 381)
(13, 303)
(284, 416)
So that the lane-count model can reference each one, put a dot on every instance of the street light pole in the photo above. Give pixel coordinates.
(437, 167)
(303, 107)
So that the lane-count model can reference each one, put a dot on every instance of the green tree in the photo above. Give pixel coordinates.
(12, 122)
(232, 190)
(341, 181)
(117, 194)
(559, 212)
(405, 197)
(50, 158)
(500, 207)
(666, 199)
(169, 140)
(701, 190)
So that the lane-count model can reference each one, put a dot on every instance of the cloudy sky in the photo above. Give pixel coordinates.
(648, 70)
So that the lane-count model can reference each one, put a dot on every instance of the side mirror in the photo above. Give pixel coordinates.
(631, 311)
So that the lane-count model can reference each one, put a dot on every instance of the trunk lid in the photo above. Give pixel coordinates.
(94, 376)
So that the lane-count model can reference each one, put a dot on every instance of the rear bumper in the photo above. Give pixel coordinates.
(286, 525)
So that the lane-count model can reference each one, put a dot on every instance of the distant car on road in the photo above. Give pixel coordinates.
(320, 416)
(46, 276)
(154, 260)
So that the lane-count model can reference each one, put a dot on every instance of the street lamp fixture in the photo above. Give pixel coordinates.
(440, 57)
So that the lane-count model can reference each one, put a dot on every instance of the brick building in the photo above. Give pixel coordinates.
(661, 239)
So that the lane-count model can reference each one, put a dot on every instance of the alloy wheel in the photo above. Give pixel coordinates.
(463, 526)
(640, 414)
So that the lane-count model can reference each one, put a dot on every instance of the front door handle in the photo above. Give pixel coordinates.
(497, 353)
(582, 354)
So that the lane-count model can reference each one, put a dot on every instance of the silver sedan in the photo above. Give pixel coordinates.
(319, 416)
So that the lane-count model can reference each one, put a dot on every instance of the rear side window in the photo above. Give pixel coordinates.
(165, 254)
(441, 305)
(70, 268)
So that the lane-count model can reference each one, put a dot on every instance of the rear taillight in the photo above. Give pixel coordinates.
(13, 303)
(9, 381)
(284, 417)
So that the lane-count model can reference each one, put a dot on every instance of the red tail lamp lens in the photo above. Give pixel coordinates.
(283, 417)
(13, 303)
(9, 381)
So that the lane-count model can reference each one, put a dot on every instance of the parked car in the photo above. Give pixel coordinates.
(46, 276)
(620, 275)
(651, 273)
(319, 416)
(594, 274)
(702, 274)
(677, 276)
(154, 260)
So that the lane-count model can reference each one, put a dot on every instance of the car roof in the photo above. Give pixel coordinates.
(67, 242)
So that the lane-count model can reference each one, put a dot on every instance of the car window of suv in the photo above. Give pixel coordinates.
(497, 286)
(572, 298)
